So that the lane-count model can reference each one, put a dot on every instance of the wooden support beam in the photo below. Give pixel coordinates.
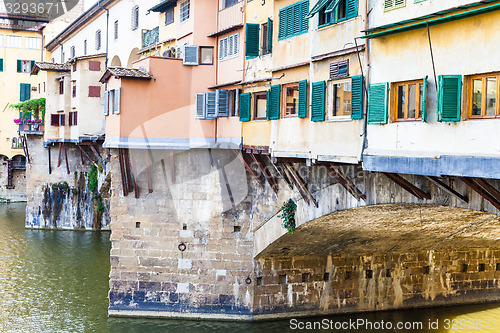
(266, 173)
(59, 158)
(134, 174)
(96, 153)
(128, 171)
(280, 169)
(27, 149)
(348, 184)
(81, 157)
(300, 183)
(408, 186)
(66, 158)
(447, 188)
(479, 190)
(247, 166)
(488, 188)
(296, 183)
(172, 166)
(122, 172)
(148, 172)
(85, 153)
(50, 162)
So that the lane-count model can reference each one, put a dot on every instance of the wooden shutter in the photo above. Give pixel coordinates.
(22, 97)
(94, 66)
(106, 103)
(74, 66)
(318, 101)
(357, 97)
(75, 118)
(269, 42)
(268, 105)
(252, 40)
(1, 65)
(351, 8)
(27, 93)
(74, 91)
(199, 104)
(94, 91)
(19, 66)
(221, 48)
(190, 55)
(61, 86)
(237, 102)
(118, 96)
(424, 101)
(62, 120)
(302, 99)
(222, 107)
(71, 119)
(339, 69)
(304, 22)
(210, 104)
(282, 24)
(54, 120)
(378, 95)
(245, 106)
(449, 97)
(274, 102)
(392, 4)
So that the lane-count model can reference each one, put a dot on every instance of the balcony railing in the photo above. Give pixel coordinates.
(230, 16)
(150, 37)
(31, 128)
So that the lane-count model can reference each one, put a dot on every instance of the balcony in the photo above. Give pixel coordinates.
(29, 126)
(230, 17)
(150, 37)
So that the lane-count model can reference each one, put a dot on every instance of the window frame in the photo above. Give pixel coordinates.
(395, 99)
(263, 45)
(236, 47)
(230, 3)
(469, 101)
(184, 11)
(256, 96)
(200, 62)
(284, 89)
(98, 40)
(115, 34)
(135, 18)
(331, 99)
(169, 10)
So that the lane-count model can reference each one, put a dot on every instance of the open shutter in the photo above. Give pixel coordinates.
(351, 8)
(274, 102)
(357, 97)
(19, 66)
(54, 120)
(282, 23)
(222, 97)
(378, 95)
(106, 103)
(27, 91)
(252, 40)
(269, 42)
(449, 97)
(319, 5)
(332, 6)
(32, 63)
(190, 55)
(237, 102)
(210, 105)
(117, 108)
(268, 105)
(424, 101)
(245, 107)
(302, 99)
(304, 22)
(22, 97)
(200, 106)
(318, 101)
(1, 65)
(71, 119)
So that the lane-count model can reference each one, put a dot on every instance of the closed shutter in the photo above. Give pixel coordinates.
(357, 97)
(302, 99)
(210, 104)
(351, 8)
(274, 102)
(269, 44)
(252, 40)
(118, 96)
(222, 97)
(221, 49)
(392, 4)
(282, 24)
(32, 63)
(245, 107)
(190, 55)
(424, 101)
(71, 119)
(236, 39)
(377, 103)
(54, 120)
(304, 22)
(74, 91)
(449, 97)
(61, 87)
(199, 105)
(318, 101)
(106, 103)
(22, 97)
(27, 93)
(62, 120)
(75, 118)
(19, 66)
(1, 65)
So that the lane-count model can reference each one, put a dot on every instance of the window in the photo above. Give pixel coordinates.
(74, 89)
(407, 102)
(98, 40)
(483, 95)
(94, 91)
(61, 86)
(340, 98)
(206, 55)
(339, 69)
(169, 16)
(85, 47)
(135, 18)
(73, 118)
(116, 30)
(184, 10)
(72, 52)
(291, 99)
(94, 66)
(265, 49)
(14, 41)
(32, 43)
(337, 11)
(293, 20)
(393, 4)
(25, 66)
(233, 100)
(229, 46)
(57, 119)
(229, 3)
(25, 92)
(259, 106)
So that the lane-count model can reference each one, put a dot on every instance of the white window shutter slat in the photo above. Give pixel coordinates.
(200, 106)
(106, 103)
(210, 105)
(237, 102)
(117, 100)
(222, 97)
(190, 55)
(236, 43)
(221, 49)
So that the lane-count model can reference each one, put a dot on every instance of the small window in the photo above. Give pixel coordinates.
(340, 98)
(229, 47)
(326, 277)
(260, 105)
(229, 3)
(407, 103)
(265, 49)
(94, 91)
(73, 52)
(74, 89)
(306, 277)
(206, 55)
(24, 66)
(482, 267)
(233, 97)
(184, 10)
(61, 87)
(73, 118)
(169, 16)
(482, 100)
(85, 47)
(291, 99)
(116, 30)
(135, 18)
(393, 4)
(259, 281)
(325, 18)
(369, 274)
(463, 268)
(98, 40)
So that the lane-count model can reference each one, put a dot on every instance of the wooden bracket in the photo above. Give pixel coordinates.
(263, 169)
(301, 185)
(50, 161)
(134, 174)
(247, 166)
(484, 189)
(408, 186)
(122, 172)
(336, 172)
(59, 158)
(447, 188)
(66, 158)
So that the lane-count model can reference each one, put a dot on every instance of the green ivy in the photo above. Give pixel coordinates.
(100, 205)
(288, 215)
(92, 182)
(34, 106)
(63, 187)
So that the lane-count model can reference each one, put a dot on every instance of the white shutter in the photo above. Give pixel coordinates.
(106, 103)
(221, 49)
(190, 55)
(117, 100)
(230, 46)
(210, 105)
(236, 44)
(200, 106)
(222, 108)
(237, 102)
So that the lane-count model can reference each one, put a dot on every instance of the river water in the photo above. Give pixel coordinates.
(57, 281)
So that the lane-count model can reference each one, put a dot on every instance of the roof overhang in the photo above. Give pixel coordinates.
(163, 6)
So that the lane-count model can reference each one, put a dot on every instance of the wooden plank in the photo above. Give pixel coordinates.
(265, 172)
(282, 173)
(488, 188)
(249, 169)
(296, 183)
(349, 182)
(59, 158)
(66, 158)
(81, 156)
(337, 173)
(447, 188)
(50, 161)
(85, 153)
(96, 153)
(128, 171)
(301, 182)
(479, 190)
(122, 172)
(25, 144)
(408, 186)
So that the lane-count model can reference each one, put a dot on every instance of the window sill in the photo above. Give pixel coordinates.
(337, 119)
(329, 25)
(259, 119)
(483, 118)
(398, 121)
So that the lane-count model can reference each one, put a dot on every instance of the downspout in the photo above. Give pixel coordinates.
(366, 83)
(107, 31)
(216, 56)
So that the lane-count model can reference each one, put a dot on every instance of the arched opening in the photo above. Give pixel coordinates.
(19, 162)
(133, 57)
(116, 62)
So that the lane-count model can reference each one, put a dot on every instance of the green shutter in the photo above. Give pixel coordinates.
(24, 92)
(252, 40)
(21, 92)
(293, 20)
(268, 105)
(1, 65)
(357, 97)
(282, 24)
(19, 66)
(274, 102)
(302, 99)
(351, 8)
(32, 65)
(27, 94)
(304, 11)
(245, 107)
(269, 44)
(318, 101)
(378, 95)
(449, 97)
(424, 101)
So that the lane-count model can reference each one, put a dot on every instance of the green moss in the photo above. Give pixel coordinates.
(92, 179)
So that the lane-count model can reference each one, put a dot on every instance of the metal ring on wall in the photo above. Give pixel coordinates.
(181, 247)
(248, 280)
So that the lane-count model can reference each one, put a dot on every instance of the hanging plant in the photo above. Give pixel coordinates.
(288, 215)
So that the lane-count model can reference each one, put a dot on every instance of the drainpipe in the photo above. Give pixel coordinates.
(107, 31)
(367, 80)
